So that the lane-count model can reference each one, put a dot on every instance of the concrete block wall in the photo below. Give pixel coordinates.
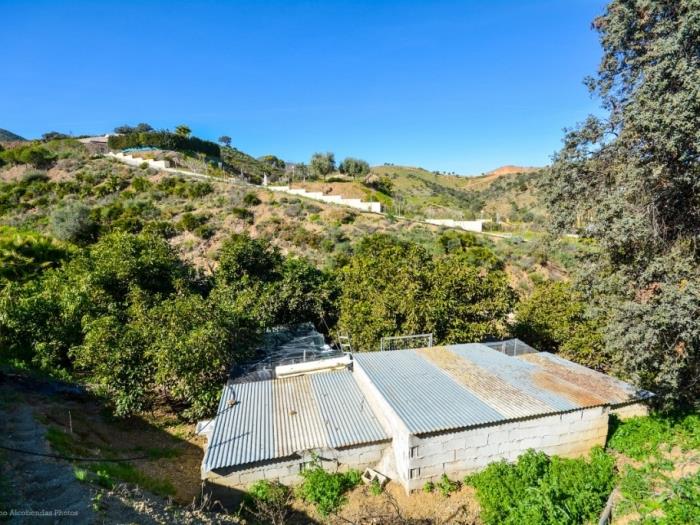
(288, 471)
(359, 204)
(632, 410)
(456, 454)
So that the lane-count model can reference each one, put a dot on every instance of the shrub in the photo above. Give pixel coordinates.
(269, 501)
(251, 199)
(429, 487)
(73, 223)
(326, 490)
(446, 486)
(190, 222)
(243, 214)
(542, 490)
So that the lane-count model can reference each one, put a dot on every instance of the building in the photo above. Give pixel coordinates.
(412, 415)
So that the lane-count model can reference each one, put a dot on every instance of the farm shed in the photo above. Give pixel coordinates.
(413, 415)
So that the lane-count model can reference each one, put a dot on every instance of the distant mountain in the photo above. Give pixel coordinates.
(8, 136)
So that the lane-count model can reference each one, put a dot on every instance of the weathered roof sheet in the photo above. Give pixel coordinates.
(611, 389)
(458, 386)
(279, 418)
(423, 396)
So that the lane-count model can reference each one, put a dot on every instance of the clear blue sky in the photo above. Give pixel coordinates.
(460, 86)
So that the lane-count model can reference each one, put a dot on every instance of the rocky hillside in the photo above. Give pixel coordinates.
(8, 136)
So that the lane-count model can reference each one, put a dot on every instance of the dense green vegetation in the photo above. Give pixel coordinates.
(394, 287)
(164, 140)
(539, 490)
(136, 322)
(631, 180)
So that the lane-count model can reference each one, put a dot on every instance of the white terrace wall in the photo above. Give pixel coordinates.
(287, 472)
(456, 454)
(472, 226)
(359, 204)
(137, 161)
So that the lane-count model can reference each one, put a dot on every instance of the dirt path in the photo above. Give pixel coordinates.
(41, 485)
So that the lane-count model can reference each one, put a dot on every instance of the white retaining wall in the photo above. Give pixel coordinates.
(287, 472)
(137, 161)
(456, 454)
(472, 226)
(359, 204)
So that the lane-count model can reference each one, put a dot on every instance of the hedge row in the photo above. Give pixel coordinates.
(164, 140)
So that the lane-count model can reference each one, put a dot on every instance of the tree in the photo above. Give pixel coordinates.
(53, 135)
(225, 140)
(73, 223)
(393, 287)
(354, 167)
(555, 318)
(25, 254)
(322, 164)
(273, 161)
(631, 181)
(243, 260)
(183, 130)
(143, 128)
(124, 130)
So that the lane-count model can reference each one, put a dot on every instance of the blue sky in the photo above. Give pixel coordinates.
(458, 86)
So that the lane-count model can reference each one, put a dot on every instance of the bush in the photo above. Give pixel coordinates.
(542, 490)
(73, 223)
(269, 501)
(327, 490)
(446, 486)
(37, 156)
(246, 215)
(190, 222)
(251, 199)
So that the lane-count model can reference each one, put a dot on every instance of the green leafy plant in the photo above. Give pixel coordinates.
(446, 486)
(269, 501)
(429, 487)
(326, 490)
(543, 490)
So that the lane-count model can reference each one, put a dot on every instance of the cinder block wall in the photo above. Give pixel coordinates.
(632, 410)
(287, 472)
(457, 454)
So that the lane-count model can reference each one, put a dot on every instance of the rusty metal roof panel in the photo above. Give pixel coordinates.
(346, 415)
(500, 395)
(244, 431)
(611, 389)
(529, 378)
(282, 417)
(425, 398)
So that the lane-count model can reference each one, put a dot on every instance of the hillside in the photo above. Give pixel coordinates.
(505, 195)
(8, 136)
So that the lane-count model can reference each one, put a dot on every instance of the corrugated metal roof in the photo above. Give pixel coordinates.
(346, 414)
(507, 399)
(529, 378)
(423, 396)
(613, 390)
(279, 418)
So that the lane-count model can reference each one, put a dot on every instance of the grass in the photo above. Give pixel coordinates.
(642, 437)
(107, 473)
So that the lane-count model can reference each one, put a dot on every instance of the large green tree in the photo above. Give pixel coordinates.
(394, 287)
(631, 180)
